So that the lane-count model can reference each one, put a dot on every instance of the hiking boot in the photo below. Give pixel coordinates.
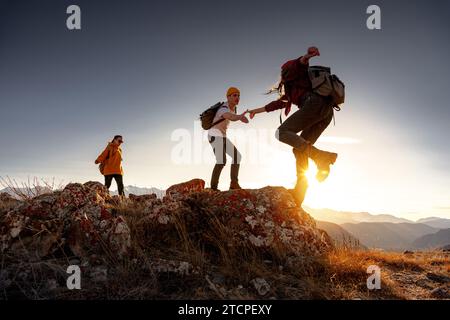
(234, 185)
(323, 160)
(299, 191)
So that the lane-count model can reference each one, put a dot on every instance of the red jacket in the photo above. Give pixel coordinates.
(296, 85)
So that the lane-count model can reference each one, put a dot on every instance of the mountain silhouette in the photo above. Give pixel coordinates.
(436, 240)
(388, 236)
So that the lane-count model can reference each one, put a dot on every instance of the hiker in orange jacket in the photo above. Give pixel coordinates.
(111, 164)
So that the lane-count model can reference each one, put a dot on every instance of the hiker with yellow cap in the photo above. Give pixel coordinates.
(217, 119)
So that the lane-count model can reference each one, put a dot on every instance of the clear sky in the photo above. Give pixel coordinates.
(145, 69)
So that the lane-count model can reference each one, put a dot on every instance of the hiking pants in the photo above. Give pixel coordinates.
(313, 117)
(221, 147)
(119, 181)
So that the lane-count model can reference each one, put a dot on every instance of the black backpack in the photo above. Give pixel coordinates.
(207, 117)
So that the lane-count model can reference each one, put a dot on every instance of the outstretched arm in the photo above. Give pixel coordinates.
(253, 112)
(236, 117)
(274, 105)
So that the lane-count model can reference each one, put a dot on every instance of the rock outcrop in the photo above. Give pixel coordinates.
(264, 218)
(77, 217)
(80, 217)
(194, 243)
(193, 234)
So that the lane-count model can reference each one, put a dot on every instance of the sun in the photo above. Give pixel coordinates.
(286, 175)
(281, 171)
(311, 174)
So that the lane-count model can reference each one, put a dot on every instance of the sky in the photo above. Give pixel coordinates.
(147, 69)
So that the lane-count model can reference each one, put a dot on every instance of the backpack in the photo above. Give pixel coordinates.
(207, 116)
(327, 84)
(101, 166)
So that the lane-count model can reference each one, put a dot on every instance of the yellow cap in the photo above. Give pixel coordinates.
(232, 90)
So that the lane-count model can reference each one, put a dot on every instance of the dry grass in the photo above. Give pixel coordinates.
(31, 188)
(349, 270)
(340, 274)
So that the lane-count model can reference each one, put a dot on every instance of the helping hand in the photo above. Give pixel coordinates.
(243, 117)
(252, 113)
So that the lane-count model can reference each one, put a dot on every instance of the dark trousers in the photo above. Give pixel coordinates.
(221, 147)
(119, 181)
(311, 120)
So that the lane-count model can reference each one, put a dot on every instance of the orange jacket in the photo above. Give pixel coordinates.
(112, 157)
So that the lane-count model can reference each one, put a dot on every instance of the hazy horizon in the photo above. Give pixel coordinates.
(313, 213)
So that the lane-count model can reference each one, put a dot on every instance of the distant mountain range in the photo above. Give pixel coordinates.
(341, 217)
(128, 189)
(384, 231)
(340, 236)
(387, 235)
(435, 222)
(26, 192)
(138, 191)
(440, 239)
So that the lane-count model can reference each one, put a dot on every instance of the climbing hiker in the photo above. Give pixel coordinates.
(313, 117)
(216, 120)
(110, 161)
